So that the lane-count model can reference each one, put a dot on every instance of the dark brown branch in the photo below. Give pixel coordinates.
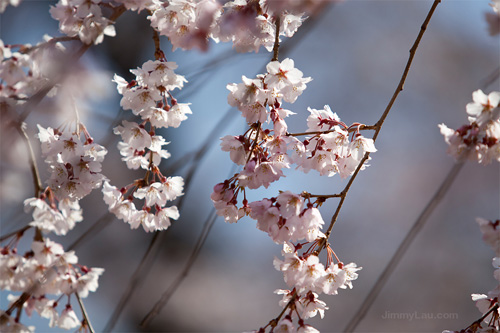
(276, 46)
(478, 322)
(377, 128)
(361, 128)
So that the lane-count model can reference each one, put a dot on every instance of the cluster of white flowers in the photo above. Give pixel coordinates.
(480, 139)
(51, 271)
(25, 69)
(149, 97)
(287, 218)
(83, 19)
(306, 273)
(47, 269)
(330, 147)
(334, 150)
(75, 166)
(307, 277)
(253, 97)
(248, 24)
(48, 218)
(486, 302)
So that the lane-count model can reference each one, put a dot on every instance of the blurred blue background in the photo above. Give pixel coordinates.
(355, 53)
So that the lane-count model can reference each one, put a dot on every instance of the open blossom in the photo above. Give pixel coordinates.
(480, 139)
(253, 96)
(332, 152)
(75, 166)
(51, 219)
(287, 218)
(285, 79)
(134, 135)
(68, 319)
(155, 195)
(310, 305)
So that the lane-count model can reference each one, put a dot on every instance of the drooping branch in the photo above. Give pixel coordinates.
(377, 128)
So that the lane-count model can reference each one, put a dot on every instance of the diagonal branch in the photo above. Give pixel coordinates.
(377, 128)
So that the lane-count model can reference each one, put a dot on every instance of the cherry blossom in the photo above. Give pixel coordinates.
(480, 139)
(75, 166)
(83, 19)
(155, 195)
(50, 219)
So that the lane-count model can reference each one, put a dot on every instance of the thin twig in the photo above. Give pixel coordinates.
(276, 46)
(134, 281)
(98, 225)
(10, 234)
(51, 41)
(487, 81)
(360, 128)
(492, 309)
(34, 169)
(407, 68)
(86, 321)
(167, 294)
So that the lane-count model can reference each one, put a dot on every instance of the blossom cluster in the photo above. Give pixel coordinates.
(330, 147)
(24, 69)
(248, 24)
(83, 19)
(287, 218)
(75, 166)
(486, 302)
(480, 139)
(149, 97)
(75, 170)
(45, 270)
(308, 277)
